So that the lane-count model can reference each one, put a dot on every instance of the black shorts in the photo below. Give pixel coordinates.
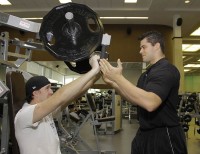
(164, 140)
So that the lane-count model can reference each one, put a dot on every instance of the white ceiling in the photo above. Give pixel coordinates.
(158, 11)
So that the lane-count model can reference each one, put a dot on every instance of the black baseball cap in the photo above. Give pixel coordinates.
(35, 83)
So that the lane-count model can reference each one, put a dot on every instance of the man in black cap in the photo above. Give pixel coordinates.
(34, 126)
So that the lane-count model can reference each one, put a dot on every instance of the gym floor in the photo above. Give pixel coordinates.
(121, 141)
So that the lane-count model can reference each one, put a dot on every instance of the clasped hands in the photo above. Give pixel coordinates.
(109, 73)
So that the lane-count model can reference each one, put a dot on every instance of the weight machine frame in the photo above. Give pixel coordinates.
(29, 45)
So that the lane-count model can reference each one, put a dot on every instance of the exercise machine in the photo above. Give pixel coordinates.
(4, 118)
(189, 108)
(71, 140)
(79, 39)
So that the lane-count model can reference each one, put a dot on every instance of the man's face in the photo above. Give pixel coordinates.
(44, 93)
(147, 51)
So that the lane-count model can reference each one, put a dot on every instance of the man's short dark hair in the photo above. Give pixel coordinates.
(154, 37)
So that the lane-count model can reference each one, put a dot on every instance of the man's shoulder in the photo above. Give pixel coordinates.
(26, 108)
(166, 65)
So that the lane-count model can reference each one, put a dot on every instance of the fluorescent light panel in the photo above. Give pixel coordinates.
(186, 70)
(100, 18)
(125, 1)
(130, 1)
(191, 47)
(5, 2)
(33, 18)
(192, 65)
(124, 17)
(64, 1)
(196, 32)
(187, 1)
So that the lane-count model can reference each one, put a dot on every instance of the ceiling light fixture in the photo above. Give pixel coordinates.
(124, 17)
(39, 18)
(190, 47)
(196, 32)
(5, 2)
(192, 65)
(187, 1)
(64, 1)
(186, 70)
(130, 1)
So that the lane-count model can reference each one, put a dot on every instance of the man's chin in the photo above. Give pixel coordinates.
(144, 60)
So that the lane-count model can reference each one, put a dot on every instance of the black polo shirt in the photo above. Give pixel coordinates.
(162, 78)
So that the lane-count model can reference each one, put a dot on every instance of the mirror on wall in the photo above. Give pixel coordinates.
(131, 70)
(58, 69)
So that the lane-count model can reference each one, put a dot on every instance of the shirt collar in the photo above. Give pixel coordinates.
(156, 64)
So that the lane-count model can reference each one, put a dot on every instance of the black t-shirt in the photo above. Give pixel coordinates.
(162, 78)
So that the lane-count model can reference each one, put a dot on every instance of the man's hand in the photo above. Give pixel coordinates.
(110, 73)
(94, 62)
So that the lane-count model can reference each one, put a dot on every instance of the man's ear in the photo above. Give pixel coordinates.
(157, 46)
(35, 92)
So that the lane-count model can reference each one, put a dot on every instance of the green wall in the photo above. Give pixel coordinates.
(192, 83)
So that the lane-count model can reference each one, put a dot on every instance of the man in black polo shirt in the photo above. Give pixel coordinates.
(156, 95)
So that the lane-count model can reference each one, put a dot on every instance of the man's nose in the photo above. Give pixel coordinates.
(140, 51)
(50, 91)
